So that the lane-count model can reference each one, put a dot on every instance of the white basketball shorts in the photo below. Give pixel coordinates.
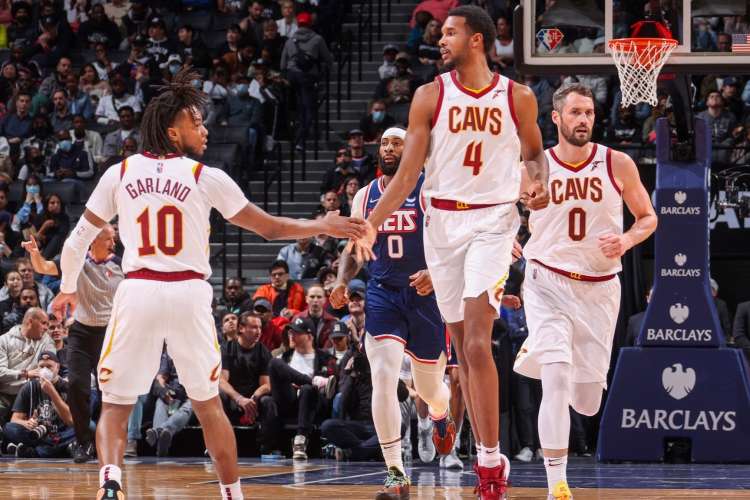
(468, 253)
(147, 313)
(570, 321)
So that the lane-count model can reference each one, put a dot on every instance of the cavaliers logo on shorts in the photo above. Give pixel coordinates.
(104, 375)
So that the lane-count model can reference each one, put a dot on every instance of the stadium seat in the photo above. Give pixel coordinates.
(200, 20)
(228, 135)
(67, 191)
(224, 21)
(214, 39)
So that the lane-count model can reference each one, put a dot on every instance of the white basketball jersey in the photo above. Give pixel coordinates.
(474, 146)
(163, 206)
(585, 202)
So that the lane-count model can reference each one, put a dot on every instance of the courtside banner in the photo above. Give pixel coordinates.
(681, 312)
(663, 394)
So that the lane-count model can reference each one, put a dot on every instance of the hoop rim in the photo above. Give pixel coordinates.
(640, 43)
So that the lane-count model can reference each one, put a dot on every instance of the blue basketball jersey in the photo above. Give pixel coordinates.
(398, 248)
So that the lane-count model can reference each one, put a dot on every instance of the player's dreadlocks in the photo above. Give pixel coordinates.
(162, 111)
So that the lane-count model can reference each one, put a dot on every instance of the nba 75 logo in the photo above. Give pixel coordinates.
(550, 38)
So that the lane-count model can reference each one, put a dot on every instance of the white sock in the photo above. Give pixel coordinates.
(392, 455)
(424, 423)
(110, 473)
(457, 443)
(556, 470)
(231, 491)
(478, 449)
(490, 457)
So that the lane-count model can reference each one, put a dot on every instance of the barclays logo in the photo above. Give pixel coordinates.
(680, 272)
(679, 313)
(680, 197)
(678, 381)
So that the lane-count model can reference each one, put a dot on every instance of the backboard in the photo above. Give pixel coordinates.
(570, 36)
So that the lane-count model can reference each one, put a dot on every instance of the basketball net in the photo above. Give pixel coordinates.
(639, 61)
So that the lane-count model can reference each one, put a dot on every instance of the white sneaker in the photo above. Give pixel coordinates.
(299, 449)
(425, 446)
(525, 455)
(451, 461)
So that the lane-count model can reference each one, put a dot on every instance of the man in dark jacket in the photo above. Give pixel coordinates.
(302, 383)
(304, 59)
(191, 48)
(99, 29)
(235, 299)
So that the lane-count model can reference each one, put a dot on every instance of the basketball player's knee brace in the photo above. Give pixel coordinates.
(587, 398)
(554, 418)
(429, 384)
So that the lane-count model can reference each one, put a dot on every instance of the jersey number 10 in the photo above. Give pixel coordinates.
(166, 245)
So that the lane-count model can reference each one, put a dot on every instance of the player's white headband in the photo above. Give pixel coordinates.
(395, 132)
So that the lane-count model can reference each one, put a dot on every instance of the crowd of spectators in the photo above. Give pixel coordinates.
(291, 364)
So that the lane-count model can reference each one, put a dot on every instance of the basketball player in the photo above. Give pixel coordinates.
(401, 315)
(571, 289)
(163, 199)
(468, 129)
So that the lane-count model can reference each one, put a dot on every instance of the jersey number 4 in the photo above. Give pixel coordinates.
(168, 231)
(473, 157)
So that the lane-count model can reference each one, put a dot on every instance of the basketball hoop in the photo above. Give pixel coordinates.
(639, 61)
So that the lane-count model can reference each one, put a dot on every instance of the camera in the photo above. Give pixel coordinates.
(39, 431)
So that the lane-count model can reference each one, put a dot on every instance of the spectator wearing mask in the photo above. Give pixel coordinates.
(25, 269)
(304, 59)
(286, 296)
(321, 321)
(62, 118)
(32, 208)
(244, 382)
(113, 142)
(106, 111)
(41, 424)
(246, 111)
(53, 227)
(234, 299)
(191, 48)
(88, 140)
(26, 300)
(20, 349)
(99, 29)
(339, 171)
(70, 161)
(362, 161)
(288, 23)
(388, 68)
(16, 126)
(272, 328)
(377, 121)
(302, 382)
(354, 433)
(173, 408)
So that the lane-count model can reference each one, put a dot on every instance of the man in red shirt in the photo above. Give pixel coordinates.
(271, 328)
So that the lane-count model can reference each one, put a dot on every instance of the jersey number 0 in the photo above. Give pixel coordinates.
(168, 244)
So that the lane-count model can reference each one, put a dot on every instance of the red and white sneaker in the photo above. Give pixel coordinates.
(492, 482)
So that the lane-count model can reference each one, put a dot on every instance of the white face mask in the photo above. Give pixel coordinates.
(46, 373)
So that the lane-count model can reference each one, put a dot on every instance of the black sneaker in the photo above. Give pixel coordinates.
(80, 452)
(110, 490)
(152, 436)
(165, 441)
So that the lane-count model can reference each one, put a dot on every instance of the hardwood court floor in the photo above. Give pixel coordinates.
(326, 480)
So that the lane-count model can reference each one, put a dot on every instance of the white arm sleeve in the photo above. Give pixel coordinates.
(74, 253)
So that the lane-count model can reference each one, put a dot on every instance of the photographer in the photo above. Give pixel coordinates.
(41, 425)
(173, 408)
(354, 434)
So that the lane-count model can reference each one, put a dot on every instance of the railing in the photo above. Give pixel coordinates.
(343, 68)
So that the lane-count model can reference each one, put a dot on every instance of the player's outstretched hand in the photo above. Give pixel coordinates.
(343, 227)
(63, 303)
(613, 246)
(537, 197)
(361, 247)
(511, 302)
(422, 281)
(339, 296)
(30, 246)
